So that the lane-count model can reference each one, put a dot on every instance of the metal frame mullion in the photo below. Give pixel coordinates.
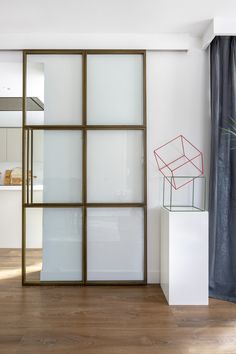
(85, 127)
(145, 164)
(23, 246)
(84, 167)
(31, 174)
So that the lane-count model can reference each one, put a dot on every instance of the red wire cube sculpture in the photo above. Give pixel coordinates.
(179, 158)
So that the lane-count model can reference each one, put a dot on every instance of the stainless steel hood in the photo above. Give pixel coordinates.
(15, 104)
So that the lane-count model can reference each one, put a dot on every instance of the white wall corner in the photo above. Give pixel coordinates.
(209, 35)
(218, 27)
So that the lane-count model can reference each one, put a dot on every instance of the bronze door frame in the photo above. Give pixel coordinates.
(27, 163)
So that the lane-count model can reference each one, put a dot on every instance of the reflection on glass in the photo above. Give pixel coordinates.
(34, 243)
(57, 166)
(115, 243)
(115, 89)
(54, 244)
(115, 166)
(54, 82)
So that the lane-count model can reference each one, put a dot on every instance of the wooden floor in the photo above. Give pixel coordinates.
(105, 319)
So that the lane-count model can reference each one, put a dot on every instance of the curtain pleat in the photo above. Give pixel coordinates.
(222, 197)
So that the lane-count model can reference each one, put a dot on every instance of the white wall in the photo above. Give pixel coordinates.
(177, 103)
(10, 85)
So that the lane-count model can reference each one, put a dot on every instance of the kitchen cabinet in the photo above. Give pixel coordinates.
(38, 146)
(11, 218)
(3, 144)
(11, 145)
(14, 150)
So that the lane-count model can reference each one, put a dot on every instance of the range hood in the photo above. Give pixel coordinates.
(15, 104)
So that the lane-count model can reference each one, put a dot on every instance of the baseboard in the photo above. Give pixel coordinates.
(153, 277)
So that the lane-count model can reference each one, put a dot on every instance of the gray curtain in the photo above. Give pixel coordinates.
(222, 201)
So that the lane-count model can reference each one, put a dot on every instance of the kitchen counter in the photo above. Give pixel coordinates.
(37, 187)
(11, 218)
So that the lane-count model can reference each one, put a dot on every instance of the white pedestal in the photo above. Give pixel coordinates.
(184, 257)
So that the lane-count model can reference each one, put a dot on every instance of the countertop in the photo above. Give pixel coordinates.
(37, 187)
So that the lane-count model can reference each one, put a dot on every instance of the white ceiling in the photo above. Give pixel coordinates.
(112, 16)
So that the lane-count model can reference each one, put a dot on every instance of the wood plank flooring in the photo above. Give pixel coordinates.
(106, 319)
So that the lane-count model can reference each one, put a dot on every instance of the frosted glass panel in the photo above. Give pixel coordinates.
(54, 244)
(115, 243)
(57, 167)
(115, 89)
(115, 166)
(55, 82)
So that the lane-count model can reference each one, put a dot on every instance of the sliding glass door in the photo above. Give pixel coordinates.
(84, 167)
